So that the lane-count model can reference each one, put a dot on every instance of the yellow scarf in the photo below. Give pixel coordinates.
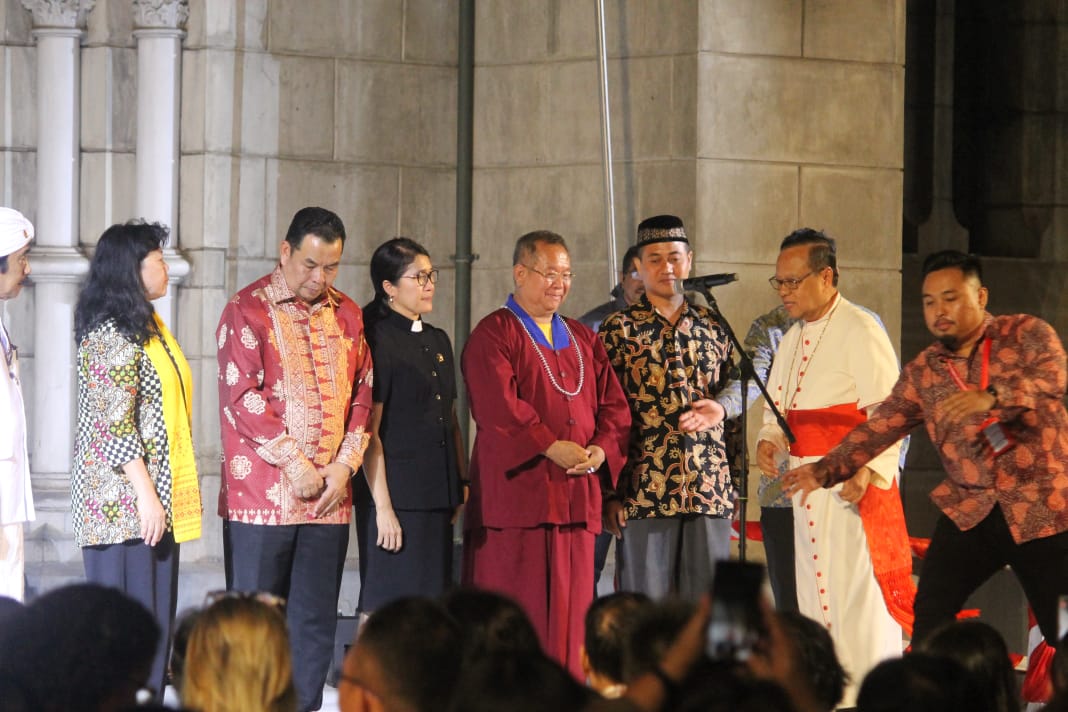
(167, 358)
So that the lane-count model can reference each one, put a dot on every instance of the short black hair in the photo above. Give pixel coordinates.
(627, 265)
(822, 252)
(651, 634)
(101, 639)
(518, 682)
(953, 259)
(490, 622)
(415, 643)
(920, 682)
(981, 650)
(320, 222)
(527, 244)
(816, 657)
(607, 621)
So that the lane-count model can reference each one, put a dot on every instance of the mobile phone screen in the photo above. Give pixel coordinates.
(736, 623)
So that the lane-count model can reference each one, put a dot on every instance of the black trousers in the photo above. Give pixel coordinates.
(147, 574)
(777, 524)
(958, 562)
(303, 563)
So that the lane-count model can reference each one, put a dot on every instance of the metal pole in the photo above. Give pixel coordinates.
(464, 159)
(606, 148)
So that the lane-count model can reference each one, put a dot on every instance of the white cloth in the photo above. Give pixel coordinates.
(853, 363)
(16, 498)
(15, 231)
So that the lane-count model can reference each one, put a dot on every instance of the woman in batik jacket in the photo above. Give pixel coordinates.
(134, 491)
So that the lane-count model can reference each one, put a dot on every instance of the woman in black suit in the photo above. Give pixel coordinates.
(411, 493)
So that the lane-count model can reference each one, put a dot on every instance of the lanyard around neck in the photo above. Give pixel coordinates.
(984, 370)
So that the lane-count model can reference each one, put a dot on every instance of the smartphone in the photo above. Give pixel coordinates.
(737, 622)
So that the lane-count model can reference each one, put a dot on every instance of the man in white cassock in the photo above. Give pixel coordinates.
(832, 368)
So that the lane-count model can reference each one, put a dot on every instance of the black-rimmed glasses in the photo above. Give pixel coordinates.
(423, 277)
(790, 284)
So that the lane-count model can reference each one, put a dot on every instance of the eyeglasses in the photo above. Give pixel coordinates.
(553, 277)
(790, 284)
(423, 277)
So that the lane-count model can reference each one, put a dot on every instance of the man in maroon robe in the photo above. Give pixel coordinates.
(552, 424)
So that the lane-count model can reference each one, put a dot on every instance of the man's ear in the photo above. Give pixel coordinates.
(584, 660)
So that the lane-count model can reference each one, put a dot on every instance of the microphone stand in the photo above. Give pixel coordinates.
(746, 373)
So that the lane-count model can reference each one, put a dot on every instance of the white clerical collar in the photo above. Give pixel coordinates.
(834, 305)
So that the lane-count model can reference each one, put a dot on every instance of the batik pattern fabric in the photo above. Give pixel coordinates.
(294, 392)
(1030, 480)
(663, 368)
(120, 419)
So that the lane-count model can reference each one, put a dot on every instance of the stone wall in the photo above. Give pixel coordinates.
(746, 119)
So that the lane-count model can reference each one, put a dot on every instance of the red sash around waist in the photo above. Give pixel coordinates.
(820, 429)
(817, 432)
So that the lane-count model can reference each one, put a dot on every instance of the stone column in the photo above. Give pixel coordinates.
(58, 266)
(159, 37)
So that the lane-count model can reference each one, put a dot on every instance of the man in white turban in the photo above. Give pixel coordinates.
(16, 498)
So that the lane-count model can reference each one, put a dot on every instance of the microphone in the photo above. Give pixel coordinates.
(706, 282)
